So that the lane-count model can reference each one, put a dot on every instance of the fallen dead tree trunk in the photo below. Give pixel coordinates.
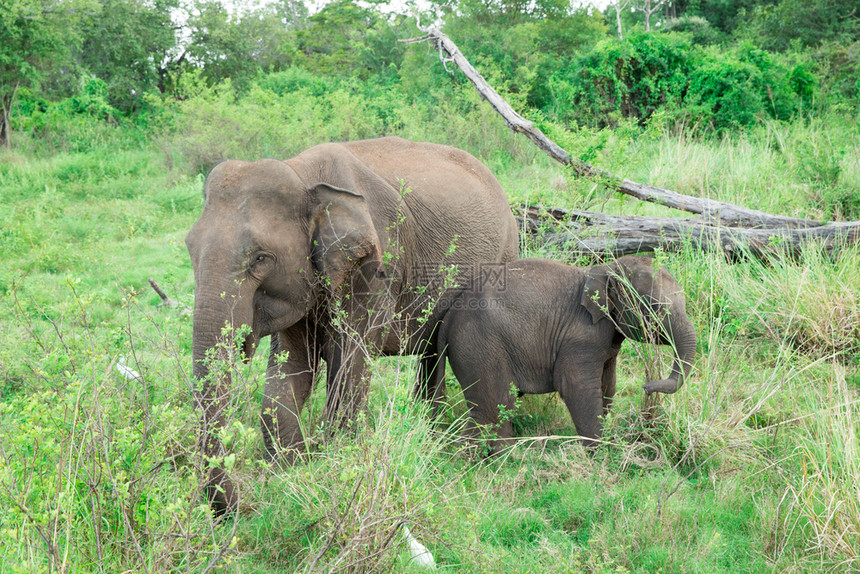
(591, 233)
(720, 226)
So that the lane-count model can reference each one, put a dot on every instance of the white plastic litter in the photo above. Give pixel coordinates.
(420, 555)
(127, 371)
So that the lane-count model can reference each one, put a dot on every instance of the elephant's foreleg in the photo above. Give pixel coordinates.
(491, 405)
(608, 383)
(346, 380)
(580, 385)
(289, 380)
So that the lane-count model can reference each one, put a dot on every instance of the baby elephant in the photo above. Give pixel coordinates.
(544, 326)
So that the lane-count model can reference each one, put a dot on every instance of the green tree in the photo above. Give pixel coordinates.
(345, 38)
(35, 36)
(724, 15)
(239, 45)
(520, 44)
(275, 27)
(220, 45)
(124, 45)
(810, 22)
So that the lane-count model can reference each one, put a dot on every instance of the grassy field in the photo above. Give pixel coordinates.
(752, 467)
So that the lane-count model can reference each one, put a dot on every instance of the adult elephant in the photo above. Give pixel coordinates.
(335, 253)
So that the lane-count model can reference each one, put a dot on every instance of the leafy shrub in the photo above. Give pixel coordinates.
(710, 87)
(92, 100)
(802, 83)
(98, 471)
(838, 68)
(292, 80)
(629, 78)
(82, 122)
(724, 93)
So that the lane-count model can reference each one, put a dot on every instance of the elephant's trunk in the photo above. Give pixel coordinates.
(213, 356)
(682, 336)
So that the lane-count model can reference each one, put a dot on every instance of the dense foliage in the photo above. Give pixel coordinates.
(713, 66)
(713, 87)
(115, 119)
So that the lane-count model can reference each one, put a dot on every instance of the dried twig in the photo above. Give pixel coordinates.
(167, 301)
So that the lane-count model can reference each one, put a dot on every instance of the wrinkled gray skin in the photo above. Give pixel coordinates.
(362, 223)
(548, 327)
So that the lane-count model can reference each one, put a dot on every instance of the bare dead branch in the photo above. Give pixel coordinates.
(588, 233)
(167, 301)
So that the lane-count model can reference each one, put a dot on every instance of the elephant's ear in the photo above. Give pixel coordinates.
(594, 297)
(343, 237)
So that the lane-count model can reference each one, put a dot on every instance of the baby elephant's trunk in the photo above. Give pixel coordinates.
(682, 335)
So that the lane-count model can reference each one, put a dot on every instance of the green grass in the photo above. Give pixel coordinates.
(751, 467)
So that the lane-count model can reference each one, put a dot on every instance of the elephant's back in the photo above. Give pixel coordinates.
(457, 210)
(448, 196)
(416, 164)
(513, 316)
(434, 173)
(524, 306)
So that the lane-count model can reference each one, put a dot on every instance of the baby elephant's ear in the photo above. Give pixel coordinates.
(594, 297)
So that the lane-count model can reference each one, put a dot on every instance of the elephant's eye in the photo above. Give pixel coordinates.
(258, 259)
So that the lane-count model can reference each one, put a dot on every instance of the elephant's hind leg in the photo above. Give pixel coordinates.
(289, 379)
(430, 385)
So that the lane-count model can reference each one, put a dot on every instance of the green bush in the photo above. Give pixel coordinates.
(709, 87)
(292, 80)
(724, 93)
(82, 122)
(629, 78)
(838, 67)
